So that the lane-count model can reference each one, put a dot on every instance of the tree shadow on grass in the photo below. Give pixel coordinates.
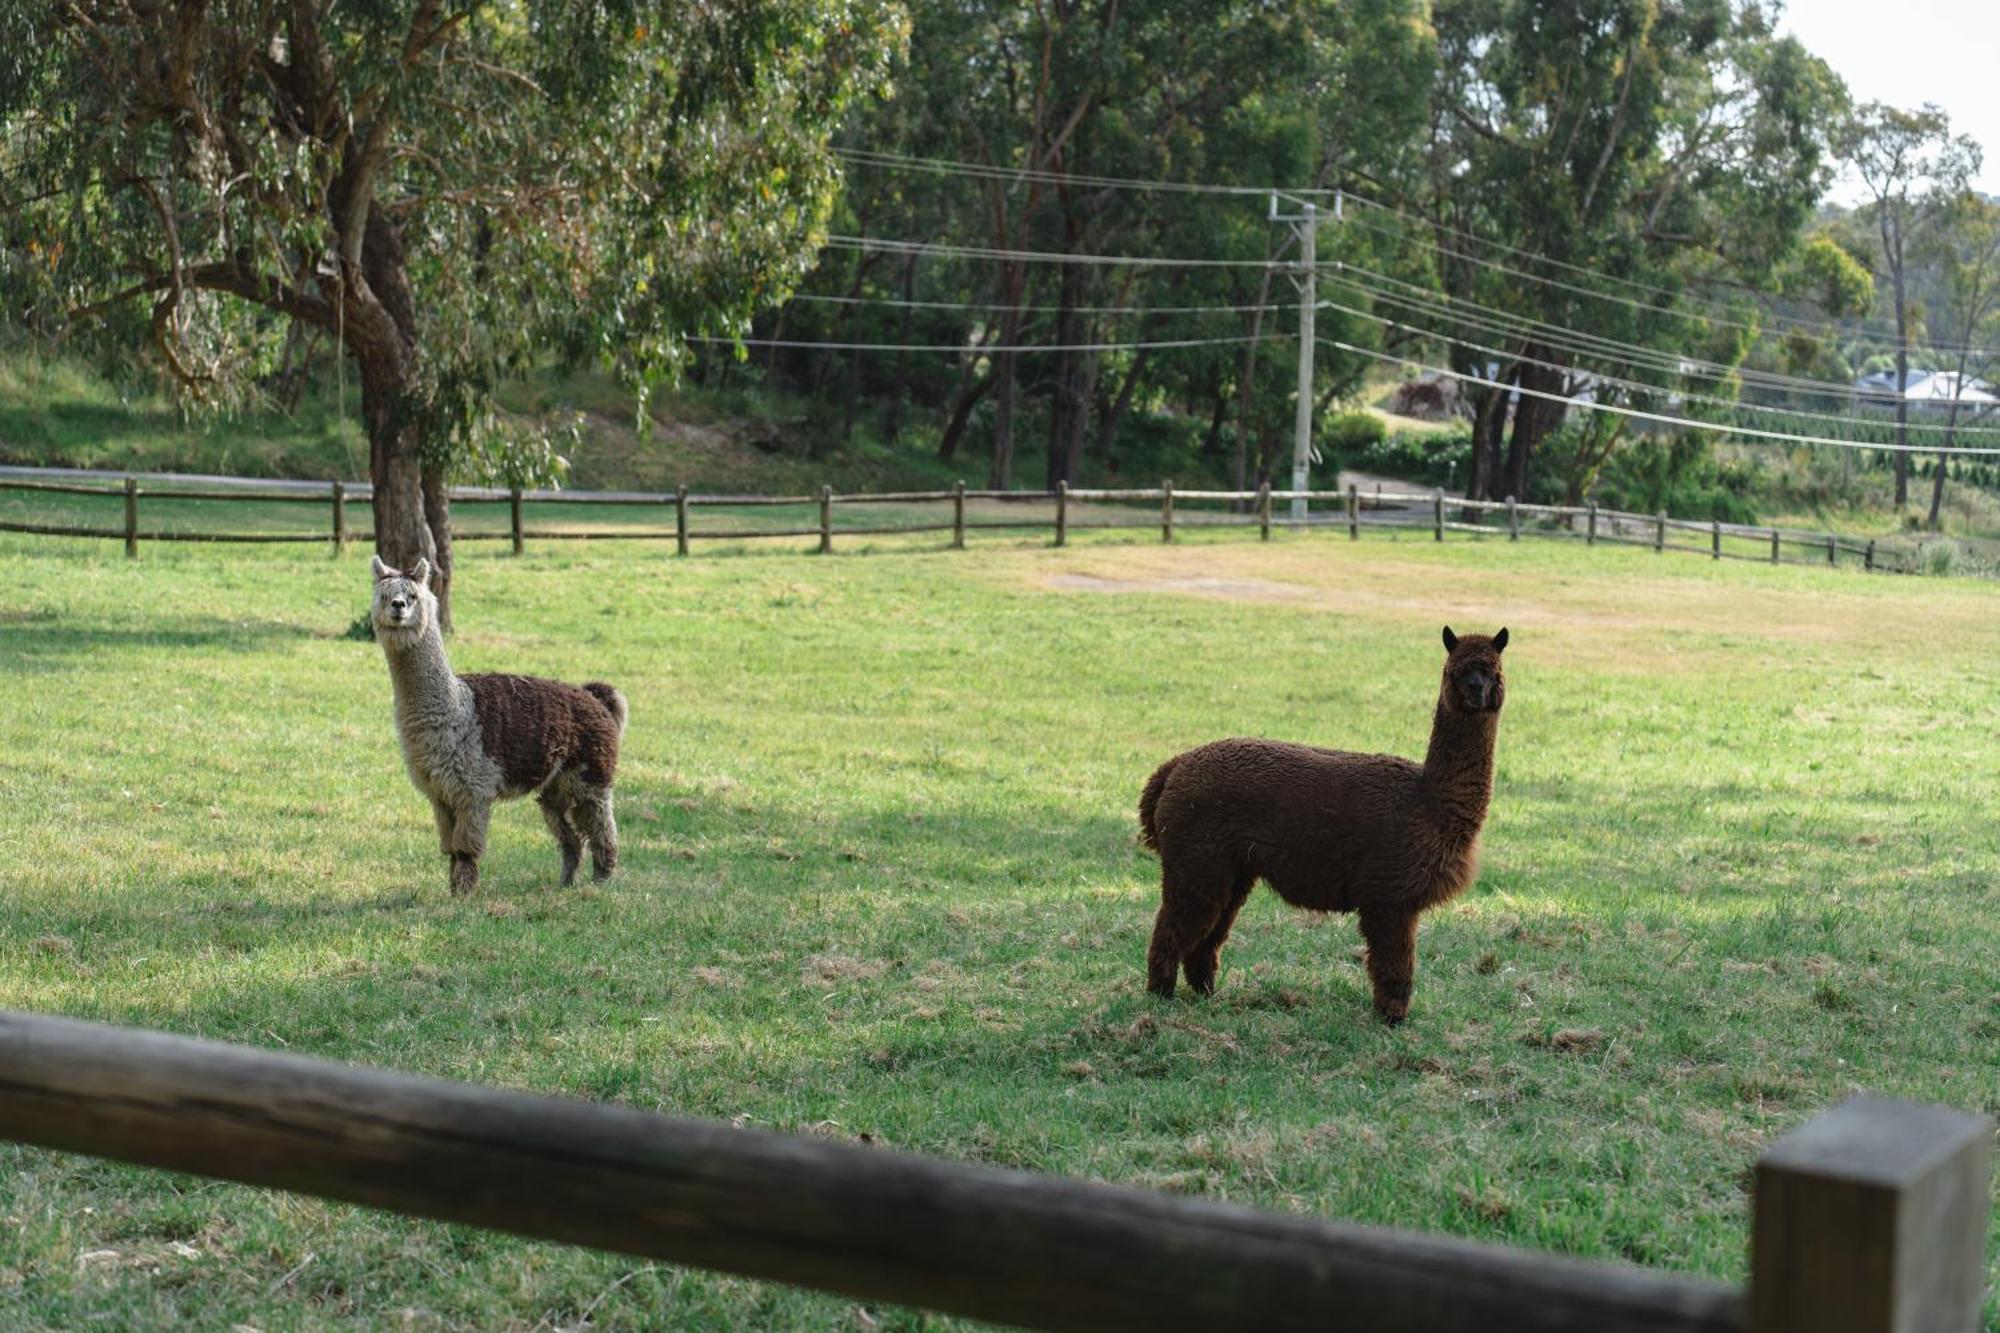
(35, 642)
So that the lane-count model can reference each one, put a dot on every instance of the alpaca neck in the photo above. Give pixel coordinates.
(422, 678)
(1459, 765)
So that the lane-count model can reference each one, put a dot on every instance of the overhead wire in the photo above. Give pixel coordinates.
(1035, 309)
(1726, 404)
(1689, 423)
(981, 349)
(975, 170)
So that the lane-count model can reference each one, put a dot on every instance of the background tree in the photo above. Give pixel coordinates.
(450, 193)
(1913, 167)
(1960, 256)
(1635, 158)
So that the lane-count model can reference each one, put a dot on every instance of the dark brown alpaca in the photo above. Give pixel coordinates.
(1336, 832)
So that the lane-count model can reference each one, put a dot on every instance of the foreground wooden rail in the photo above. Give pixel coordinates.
(1377, 509)
(1894, 1244)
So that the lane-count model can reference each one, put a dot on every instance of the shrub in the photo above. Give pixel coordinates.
(1439, 458)
(1353, 433)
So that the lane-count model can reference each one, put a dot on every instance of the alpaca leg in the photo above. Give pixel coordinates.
(1203, 961)
(1392, 960)
(1191, 902)
(593, 817)
(556, 814)
(468, 844)
(441, 812)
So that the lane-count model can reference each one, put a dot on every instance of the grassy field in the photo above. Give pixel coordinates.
(881, 879)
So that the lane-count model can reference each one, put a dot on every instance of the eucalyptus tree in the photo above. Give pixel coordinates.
(1627, 156)
(1914, 168)
(452, 192)
(1961, 257)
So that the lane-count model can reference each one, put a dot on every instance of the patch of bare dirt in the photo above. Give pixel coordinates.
(1239, 589)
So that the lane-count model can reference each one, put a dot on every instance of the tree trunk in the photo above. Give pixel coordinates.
(1944, 461)
(1075, 373)
(1245, 384)
(961, 415)
(380, 327)
(437, 518)
(1534, 418)
(1488, 422)
(1107, 423)
(893, 428)
(1211, 443)
(1892, 247)
(402, 535)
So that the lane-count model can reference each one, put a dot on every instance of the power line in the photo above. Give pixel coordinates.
(982, 171)
(1034, 256)
(1615, 381)
(978, 349)
(1577, 340)
(1794, 324)
(985, 171)
(1688, 423)
(1027, 309)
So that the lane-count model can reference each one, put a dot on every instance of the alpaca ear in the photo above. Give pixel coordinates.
(1500, 640)
(420, 573)
(1450, 639)
(382, 571)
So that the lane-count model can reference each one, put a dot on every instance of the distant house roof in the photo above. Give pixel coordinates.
(1928, 388)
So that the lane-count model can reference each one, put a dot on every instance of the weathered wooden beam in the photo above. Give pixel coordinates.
(1872, 1219)
(869, 1223)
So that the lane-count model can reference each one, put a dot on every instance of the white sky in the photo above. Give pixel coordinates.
(1908, 52)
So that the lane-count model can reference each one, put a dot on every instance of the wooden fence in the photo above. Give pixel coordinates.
(1111, 509)
(1870, 1219)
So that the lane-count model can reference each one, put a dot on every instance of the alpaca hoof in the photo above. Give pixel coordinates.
(464, 875)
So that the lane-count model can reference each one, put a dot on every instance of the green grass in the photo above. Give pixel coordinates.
(881, 879)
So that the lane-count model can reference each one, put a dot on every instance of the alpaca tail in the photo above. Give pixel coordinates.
(613, 701)
(1149, 802)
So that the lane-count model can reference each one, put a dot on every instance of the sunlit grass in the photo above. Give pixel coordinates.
(880, 878)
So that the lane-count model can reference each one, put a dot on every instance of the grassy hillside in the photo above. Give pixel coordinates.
(740, 437)
(881, 879)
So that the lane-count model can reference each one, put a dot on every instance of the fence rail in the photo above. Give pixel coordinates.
(1353, 508)
(1872, 1217)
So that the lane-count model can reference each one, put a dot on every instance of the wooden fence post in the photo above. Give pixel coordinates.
(1166, 511)
(1513, 521)
(681, 519)
(1062, 511)
(1437, 514)
(1715, 539)
(1660, 533)
(1590, 537)
(825, 520)
(958, 518)
(131, 517)
(340, 518)
(1353, 513)
(1264, 510)
(514, 516)
(1831, 558)
(1872, 1219)
(1774, 546)
(1868, 559)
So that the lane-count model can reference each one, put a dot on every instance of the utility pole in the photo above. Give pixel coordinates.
(1305, 225)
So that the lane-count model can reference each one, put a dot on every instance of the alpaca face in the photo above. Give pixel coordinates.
(404, 606)
(1473, 680)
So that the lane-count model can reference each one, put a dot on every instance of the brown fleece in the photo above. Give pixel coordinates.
(1332, 831)
(533, 728)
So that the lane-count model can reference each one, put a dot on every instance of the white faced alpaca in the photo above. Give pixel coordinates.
(404, 604)
(470, 741)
